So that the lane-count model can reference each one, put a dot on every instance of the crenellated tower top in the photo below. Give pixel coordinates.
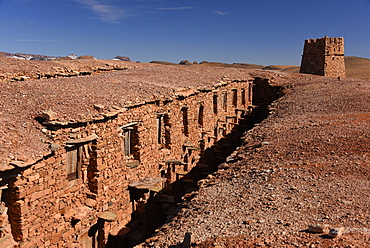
(324, 56)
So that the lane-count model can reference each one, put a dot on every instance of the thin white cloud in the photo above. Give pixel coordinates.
(175, 8)
(222, 13)
(106, 13)
(33, 40)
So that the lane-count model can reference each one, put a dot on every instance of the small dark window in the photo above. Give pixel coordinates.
(81, 160)
(131, 139)
(250, 93)
(164, 130)
(215, 103)
(215, 132)
(160, 128)
(201, 115)
(224, 100)
(243, 96)
(74, 161)
(127, 141)
(235, 98)
(167, 131)
(185, 120)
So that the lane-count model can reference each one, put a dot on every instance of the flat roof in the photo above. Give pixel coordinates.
(73, 98)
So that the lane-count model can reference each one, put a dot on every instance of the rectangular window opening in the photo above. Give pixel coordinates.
(167, 131)
(185, 120)
(74, 161)
(159, 128)
(235, 98)
(224, 100)
(164, 130)
(215, 103)
(201, 115)
(81, 160)
(250, 93)
(243, 97)
(130, 140)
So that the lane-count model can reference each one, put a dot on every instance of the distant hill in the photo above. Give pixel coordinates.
(287, 68)
(123, 58)
(220, 64)
(357, 67)
(235, 65)
(27, 56)
(162, 62)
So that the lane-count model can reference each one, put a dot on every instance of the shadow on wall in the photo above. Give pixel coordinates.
(153, 209)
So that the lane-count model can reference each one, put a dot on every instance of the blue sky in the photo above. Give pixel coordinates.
(260, 32)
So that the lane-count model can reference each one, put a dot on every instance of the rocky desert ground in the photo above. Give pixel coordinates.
(306, 165)
(298, 174)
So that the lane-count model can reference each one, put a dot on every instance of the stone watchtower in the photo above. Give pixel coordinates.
(324, 56)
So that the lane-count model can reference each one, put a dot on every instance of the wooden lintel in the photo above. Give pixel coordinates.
(132, 164)
(126, 126)
(161, 113)
(83, 140)
(193, 148)
(181, 173)
(205, 132)
(174, 161)
(21, 164)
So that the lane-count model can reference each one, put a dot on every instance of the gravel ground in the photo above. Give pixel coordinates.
(306, 164)
(73, 98)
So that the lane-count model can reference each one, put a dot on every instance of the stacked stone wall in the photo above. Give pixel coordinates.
(324, 56)
(314, 47)
(47, 208)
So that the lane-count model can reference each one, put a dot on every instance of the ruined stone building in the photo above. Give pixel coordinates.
(75, 172)
(324, 56)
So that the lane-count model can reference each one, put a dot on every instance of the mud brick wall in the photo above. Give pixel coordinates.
(324, 56)
(56, 202)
